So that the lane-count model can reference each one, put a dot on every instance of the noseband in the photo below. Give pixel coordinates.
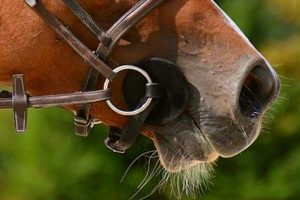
(143, 107)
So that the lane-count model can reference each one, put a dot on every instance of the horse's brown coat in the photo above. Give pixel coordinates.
(194, 34)
(29, 46)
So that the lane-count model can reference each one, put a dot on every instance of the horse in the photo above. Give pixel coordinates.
(231, 85)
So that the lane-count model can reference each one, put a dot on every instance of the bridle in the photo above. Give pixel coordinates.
(100, 64)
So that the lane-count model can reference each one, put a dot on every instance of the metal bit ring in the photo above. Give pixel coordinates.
(140, 109)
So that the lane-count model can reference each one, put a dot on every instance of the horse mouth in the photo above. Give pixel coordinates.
(183, 145)
(197, 137)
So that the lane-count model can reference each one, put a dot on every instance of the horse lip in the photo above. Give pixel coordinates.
(171, 145)
(202, 133)
(176, 163)
(216, 130)
(231, 140)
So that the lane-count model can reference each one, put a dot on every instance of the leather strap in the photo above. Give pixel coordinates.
(88, 21)
(128, 21)
(88, 56)
(153, 90)
(120, 140)
(82, 118)
(20, 101)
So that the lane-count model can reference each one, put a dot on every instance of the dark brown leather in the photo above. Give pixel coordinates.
(69, 99)
(154, 90)
(88, 21)
(60, 99)
(18, 98)
(128, 20)
(120, 140)
(63, 31)
(20, 101)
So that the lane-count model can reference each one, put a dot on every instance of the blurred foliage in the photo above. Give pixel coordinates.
(49, 162)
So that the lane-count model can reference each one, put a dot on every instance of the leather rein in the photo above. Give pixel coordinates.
(100, 64)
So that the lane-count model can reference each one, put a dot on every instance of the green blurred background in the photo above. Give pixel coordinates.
(49, 162)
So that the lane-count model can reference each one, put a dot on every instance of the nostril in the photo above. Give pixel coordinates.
(259, 90)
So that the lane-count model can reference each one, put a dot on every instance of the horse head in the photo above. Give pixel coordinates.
(230, 84)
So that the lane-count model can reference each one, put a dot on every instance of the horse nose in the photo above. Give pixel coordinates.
(259, 89)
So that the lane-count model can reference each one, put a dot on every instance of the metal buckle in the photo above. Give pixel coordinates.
(140, 109)
(110, 145)
(82, 126)
(112, 141)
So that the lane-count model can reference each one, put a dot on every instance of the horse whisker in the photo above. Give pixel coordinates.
(141, 186)
(131, 164)
(148, 170)
(154, 190)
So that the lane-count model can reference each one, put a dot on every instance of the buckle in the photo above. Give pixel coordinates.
(82, 126)
(112, 142)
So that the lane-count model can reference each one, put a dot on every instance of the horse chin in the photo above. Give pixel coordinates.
(182, 145)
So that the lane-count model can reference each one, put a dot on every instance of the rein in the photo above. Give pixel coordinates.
(100, 64)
